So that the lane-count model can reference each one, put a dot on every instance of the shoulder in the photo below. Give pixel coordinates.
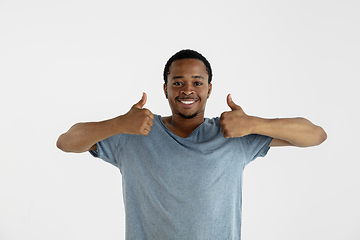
(211, 127)
(214, 122)
(165, 120)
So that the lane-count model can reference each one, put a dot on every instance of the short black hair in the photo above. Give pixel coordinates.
(187, 54)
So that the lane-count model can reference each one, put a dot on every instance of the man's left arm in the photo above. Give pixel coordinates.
(298, 132)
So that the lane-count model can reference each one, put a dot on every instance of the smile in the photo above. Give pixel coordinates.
(187, 102)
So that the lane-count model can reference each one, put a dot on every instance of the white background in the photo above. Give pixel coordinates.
(68, 61)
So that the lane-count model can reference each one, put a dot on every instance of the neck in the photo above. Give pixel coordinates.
(181, 126)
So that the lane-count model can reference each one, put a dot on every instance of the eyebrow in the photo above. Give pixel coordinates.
(195, 76)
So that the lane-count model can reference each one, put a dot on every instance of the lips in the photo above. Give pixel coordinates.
(187, 101)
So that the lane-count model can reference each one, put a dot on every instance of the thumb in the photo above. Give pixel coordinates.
(142, 102)
(231, 104)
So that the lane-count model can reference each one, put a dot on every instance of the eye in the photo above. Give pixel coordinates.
(197, 83)
(177, 83)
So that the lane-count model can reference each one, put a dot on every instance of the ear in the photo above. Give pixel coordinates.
(165, 90)
(209, 91)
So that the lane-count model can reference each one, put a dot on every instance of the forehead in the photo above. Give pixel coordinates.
(188, 66)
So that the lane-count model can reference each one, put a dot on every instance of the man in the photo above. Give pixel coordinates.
(182, 174)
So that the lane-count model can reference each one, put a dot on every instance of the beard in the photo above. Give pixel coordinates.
(190, 116)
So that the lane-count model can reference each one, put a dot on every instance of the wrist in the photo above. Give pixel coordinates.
(259, 125)
(116, 124)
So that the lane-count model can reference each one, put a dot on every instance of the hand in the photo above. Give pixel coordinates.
(138, 120)
(235, 123)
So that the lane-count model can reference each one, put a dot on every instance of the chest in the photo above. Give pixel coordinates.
(182, 166)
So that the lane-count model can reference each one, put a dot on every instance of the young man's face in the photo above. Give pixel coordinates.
(187, 87)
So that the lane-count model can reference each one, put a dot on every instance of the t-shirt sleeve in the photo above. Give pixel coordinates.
(108, 149)
(255, 146)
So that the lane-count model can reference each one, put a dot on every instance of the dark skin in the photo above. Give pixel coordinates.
(187, 91)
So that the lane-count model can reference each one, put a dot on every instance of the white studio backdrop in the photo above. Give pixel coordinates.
(63, 62)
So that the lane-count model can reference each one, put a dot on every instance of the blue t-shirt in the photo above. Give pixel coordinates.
(182, 188)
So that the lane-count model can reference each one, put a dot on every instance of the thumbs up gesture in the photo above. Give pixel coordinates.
(138, 120)
(235, 123)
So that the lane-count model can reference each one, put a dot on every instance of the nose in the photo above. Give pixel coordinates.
(187, 89)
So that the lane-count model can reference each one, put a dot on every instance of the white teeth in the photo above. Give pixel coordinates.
(187, 102)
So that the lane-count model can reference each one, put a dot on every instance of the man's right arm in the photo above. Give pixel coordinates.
(83, 137)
